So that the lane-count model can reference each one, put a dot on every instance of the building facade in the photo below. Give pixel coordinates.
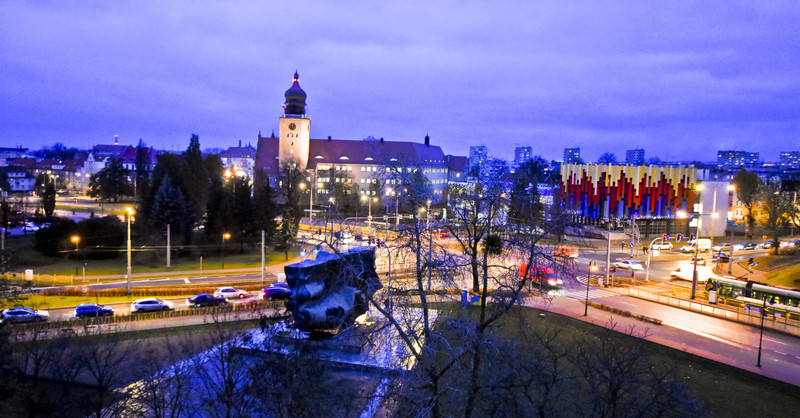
(522, 155)
(729, 160)
(790, 160)
(572, 156)
(374, 166)
(634, 157)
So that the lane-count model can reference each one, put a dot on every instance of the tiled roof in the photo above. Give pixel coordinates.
(457, 163)
(339, 151)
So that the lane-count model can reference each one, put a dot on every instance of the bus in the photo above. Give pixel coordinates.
(736, 289)
(565, 251)
(541, 276)
(753, 296)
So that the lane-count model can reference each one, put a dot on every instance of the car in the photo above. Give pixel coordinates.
(21, 314)
(687, 248)
(662, 245)
(628, 265)
(231, 293)
(768, 244)
(564, 251)
(540, 276)
(701, 261)
(151, 305)
(749, 245)
(206, 299)
(720, 256)
(30, 228)
(93, 310)
(278, 290)
(721, 247)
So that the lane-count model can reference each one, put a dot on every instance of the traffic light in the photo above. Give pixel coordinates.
(692, 237)
(750, 261)
(680, 237)
(665, 238)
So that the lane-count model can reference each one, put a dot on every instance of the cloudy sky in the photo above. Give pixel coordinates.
(681, 79)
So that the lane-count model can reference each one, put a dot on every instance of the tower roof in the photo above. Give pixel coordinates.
(295, 98)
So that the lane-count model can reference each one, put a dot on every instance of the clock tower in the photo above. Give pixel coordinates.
(295, 127)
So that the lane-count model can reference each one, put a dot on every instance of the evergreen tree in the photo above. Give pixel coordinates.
(111, 182)
(49, 199)
(170, 207)
(142, 171)
(195, 177)
(265, 207)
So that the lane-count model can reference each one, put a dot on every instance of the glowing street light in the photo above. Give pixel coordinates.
(76, 239)
(226, 236)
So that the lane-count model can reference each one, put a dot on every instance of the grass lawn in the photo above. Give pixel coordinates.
(721, 390)
(27, 257)
(789, 277)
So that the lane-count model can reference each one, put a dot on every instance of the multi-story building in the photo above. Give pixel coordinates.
(790, 160)
(522, 155)
(239, 160)
(478, 155)
(375, 166)
(634, 157)
(572, 156)
(729, 160)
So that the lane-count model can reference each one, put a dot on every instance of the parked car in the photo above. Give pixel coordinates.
(20, 314)
(768, 244)
(205, 299)
(151, 305)
(662, 245)
(231, 293)
(628, 265)
(93, 310)
(278, 290)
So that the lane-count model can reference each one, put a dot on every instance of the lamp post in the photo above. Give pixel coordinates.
(761, 335)
(592, 267)
(76, 239)
(225, 236)
(129, 211)
(302, 187)
(649, 253)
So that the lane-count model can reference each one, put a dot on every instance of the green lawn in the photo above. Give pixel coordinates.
(789, 277)
(27, 258)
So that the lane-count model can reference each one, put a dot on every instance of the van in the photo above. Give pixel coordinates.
(541, 276)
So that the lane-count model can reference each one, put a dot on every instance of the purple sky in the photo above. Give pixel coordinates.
(680, 79)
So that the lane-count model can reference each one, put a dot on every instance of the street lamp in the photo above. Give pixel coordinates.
(225, 236)
(592, 267)
(761, 335)
(129, 211)
(731, 188)
(76, 239)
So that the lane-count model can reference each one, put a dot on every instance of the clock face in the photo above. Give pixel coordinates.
(292, 126)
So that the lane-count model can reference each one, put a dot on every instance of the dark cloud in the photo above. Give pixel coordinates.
(676, 78)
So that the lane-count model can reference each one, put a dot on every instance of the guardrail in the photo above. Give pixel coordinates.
(743, 314)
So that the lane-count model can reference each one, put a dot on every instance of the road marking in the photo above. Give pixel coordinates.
(707, 335)
(775, 341)
(626, 303)
(779, 352)
(186, 280)
(161, 280)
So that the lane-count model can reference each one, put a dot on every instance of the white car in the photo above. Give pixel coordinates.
(721, 247)
(151, 305)
(628, 265)
(662, 245)
(231, 293)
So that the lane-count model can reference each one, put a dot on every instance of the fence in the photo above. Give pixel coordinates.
(743, 313)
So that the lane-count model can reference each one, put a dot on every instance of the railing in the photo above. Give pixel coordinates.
(747, 314)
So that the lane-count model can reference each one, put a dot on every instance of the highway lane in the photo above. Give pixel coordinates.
(124, 308)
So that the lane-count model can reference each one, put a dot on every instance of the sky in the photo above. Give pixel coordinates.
(681, 79)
